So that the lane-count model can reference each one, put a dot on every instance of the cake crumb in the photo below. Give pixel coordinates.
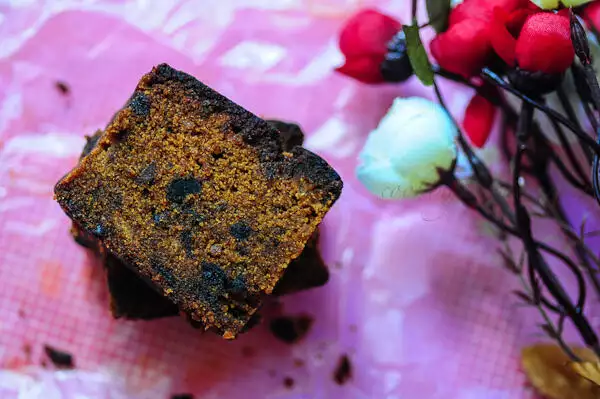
(61, 359)
(343, 371)
(288, 382)
(62, 87)
(291, 329)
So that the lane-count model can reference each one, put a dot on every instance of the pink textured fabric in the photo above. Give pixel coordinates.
(418, 298)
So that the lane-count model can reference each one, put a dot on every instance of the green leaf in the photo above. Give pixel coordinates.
(417, 55)
(438, 11)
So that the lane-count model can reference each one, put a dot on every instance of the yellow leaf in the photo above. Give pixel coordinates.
(588, 370)
(551, 373)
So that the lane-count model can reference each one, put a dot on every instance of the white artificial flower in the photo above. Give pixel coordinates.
(551, 4)
(553, 101)
(404, 155)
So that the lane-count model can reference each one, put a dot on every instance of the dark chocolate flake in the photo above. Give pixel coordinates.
(179, 189)
(140, 104)
(147, 175)
(60, 359)
(240, 230)
(343, 371)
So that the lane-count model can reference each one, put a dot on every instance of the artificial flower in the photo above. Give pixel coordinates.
(363, 41)
(591, 14)
(404, 156)
(479, 119)
(537, 42)
(466, 46)
(553, 101)
(550, 4)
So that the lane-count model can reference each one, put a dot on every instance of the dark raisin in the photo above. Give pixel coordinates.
(60, 359)
(240, 230)
(147, 175)
(179, 189)
(237, 286)
(140, 104)
(343, 372)
(213, 276)
(186, 239)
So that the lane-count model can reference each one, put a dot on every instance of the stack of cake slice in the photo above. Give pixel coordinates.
(198, 206)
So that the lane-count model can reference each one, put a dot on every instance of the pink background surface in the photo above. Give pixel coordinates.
(418, 297)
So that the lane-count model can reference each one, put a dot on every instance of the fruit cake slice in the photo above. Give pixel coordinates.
(132, 298)
(197, 195)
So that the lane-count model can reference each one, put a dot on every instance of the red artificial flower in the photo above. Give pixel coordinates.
(538, 42)
(466, 46)
(363, 41)
(479, 119)
(591, 15)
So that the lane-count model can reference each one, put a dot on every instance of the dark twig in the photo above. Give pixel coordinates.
(582, 50)
(581, 176)
(493, 78)
(574, 312)
(568, 107)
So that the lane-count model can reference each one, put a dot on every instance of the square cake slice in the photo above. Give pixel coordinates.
(197, 196)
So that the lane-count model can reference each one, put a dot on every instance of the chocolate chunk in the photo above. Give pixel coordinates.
(147, 175)
(343, 372)
(61, 359)
(179, 189)
(291, 329)
(183, 396)
(240, 230)
(140, 104)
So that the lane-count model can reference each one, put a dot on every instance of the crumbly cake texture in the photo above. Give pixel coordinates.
(132, 298)
(196, 195)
